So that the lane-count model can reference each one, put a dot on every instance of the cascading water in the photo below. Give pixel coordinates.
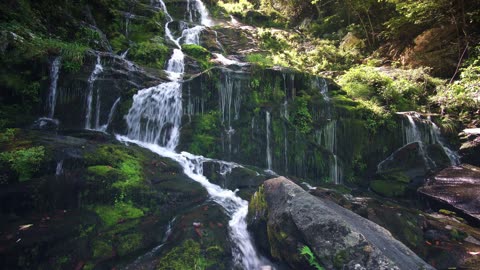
(91, 81)
(52, 96)
(204, 15)
(59, 168)
(176, 65)
(154, 123)
(437, 136)
(286, 117)
(424, 132)
(156, 114)
(327, 139)
(110, 115)
(269, 150)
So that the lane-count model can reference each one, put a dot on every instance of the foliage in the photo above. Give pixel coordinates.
(398, 90)
(461, 97)
(261, 60)
(241, 7)
(25, 162)
(307, 253)
(8, 135)
(199, 53)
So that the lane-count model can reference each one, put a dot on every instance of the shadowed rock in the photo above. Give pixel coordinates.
(457, 187)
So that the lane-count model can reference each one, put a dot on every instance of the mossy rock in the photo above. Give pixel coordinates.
(199, 53)
(388, 188)
(129, 243)
(113, 214)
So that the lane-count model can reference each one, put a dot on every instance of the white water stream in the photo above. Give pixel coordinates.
(91, 81)
(52, 96)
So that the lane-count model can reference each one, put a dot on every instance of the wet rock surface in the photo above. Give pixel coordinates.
(337, 237)
(457, 188)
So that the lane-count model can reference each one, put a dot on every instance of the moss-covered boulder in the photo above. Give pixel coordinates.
(307, 232)
(87, 199)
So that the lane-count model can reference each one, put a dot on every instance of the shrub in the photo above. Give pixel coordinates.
(260, 59)
(25, 162)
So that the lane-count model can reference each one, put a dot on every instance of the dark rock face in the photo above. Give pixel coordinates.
(407, 167)
(119, 79)
(338, 238)
(470, 149)
(458, 188)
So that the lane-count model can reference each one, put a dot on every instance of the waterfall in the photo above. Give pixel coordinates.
(59, 168)
(323, 87)
(168, 33)
(154, 123)
(204, 15)
(189, 11)
(424, 132)
(269, 151)
(285, 116)
(327, 138)
(124, 54)
(52, 96)
(437, 137)
(225, 95)
(176, 65)
(191, 35)
(91, 81)
(412, 133)
(110, 115)
(156, 114)
(142, 260)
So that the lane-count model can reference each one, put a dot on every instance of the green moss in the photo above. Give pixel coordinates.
(100, 170)
(388, 188)
(458, 235)
(124, 162)
(340, 259)
(199, 53)
(447, 212)
(302, 119)
(307, 253)
(102, 249)
(184, 257)
(111, 215)
(204, 140)
(258, 204)
(152, 53)
(25, 162)
(129, 243)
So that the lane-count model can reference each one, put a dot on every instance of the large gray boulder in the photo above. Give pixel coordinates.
(337, 238)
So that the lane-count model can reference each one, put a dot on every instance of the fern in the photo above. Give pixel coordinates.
(306, 252)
